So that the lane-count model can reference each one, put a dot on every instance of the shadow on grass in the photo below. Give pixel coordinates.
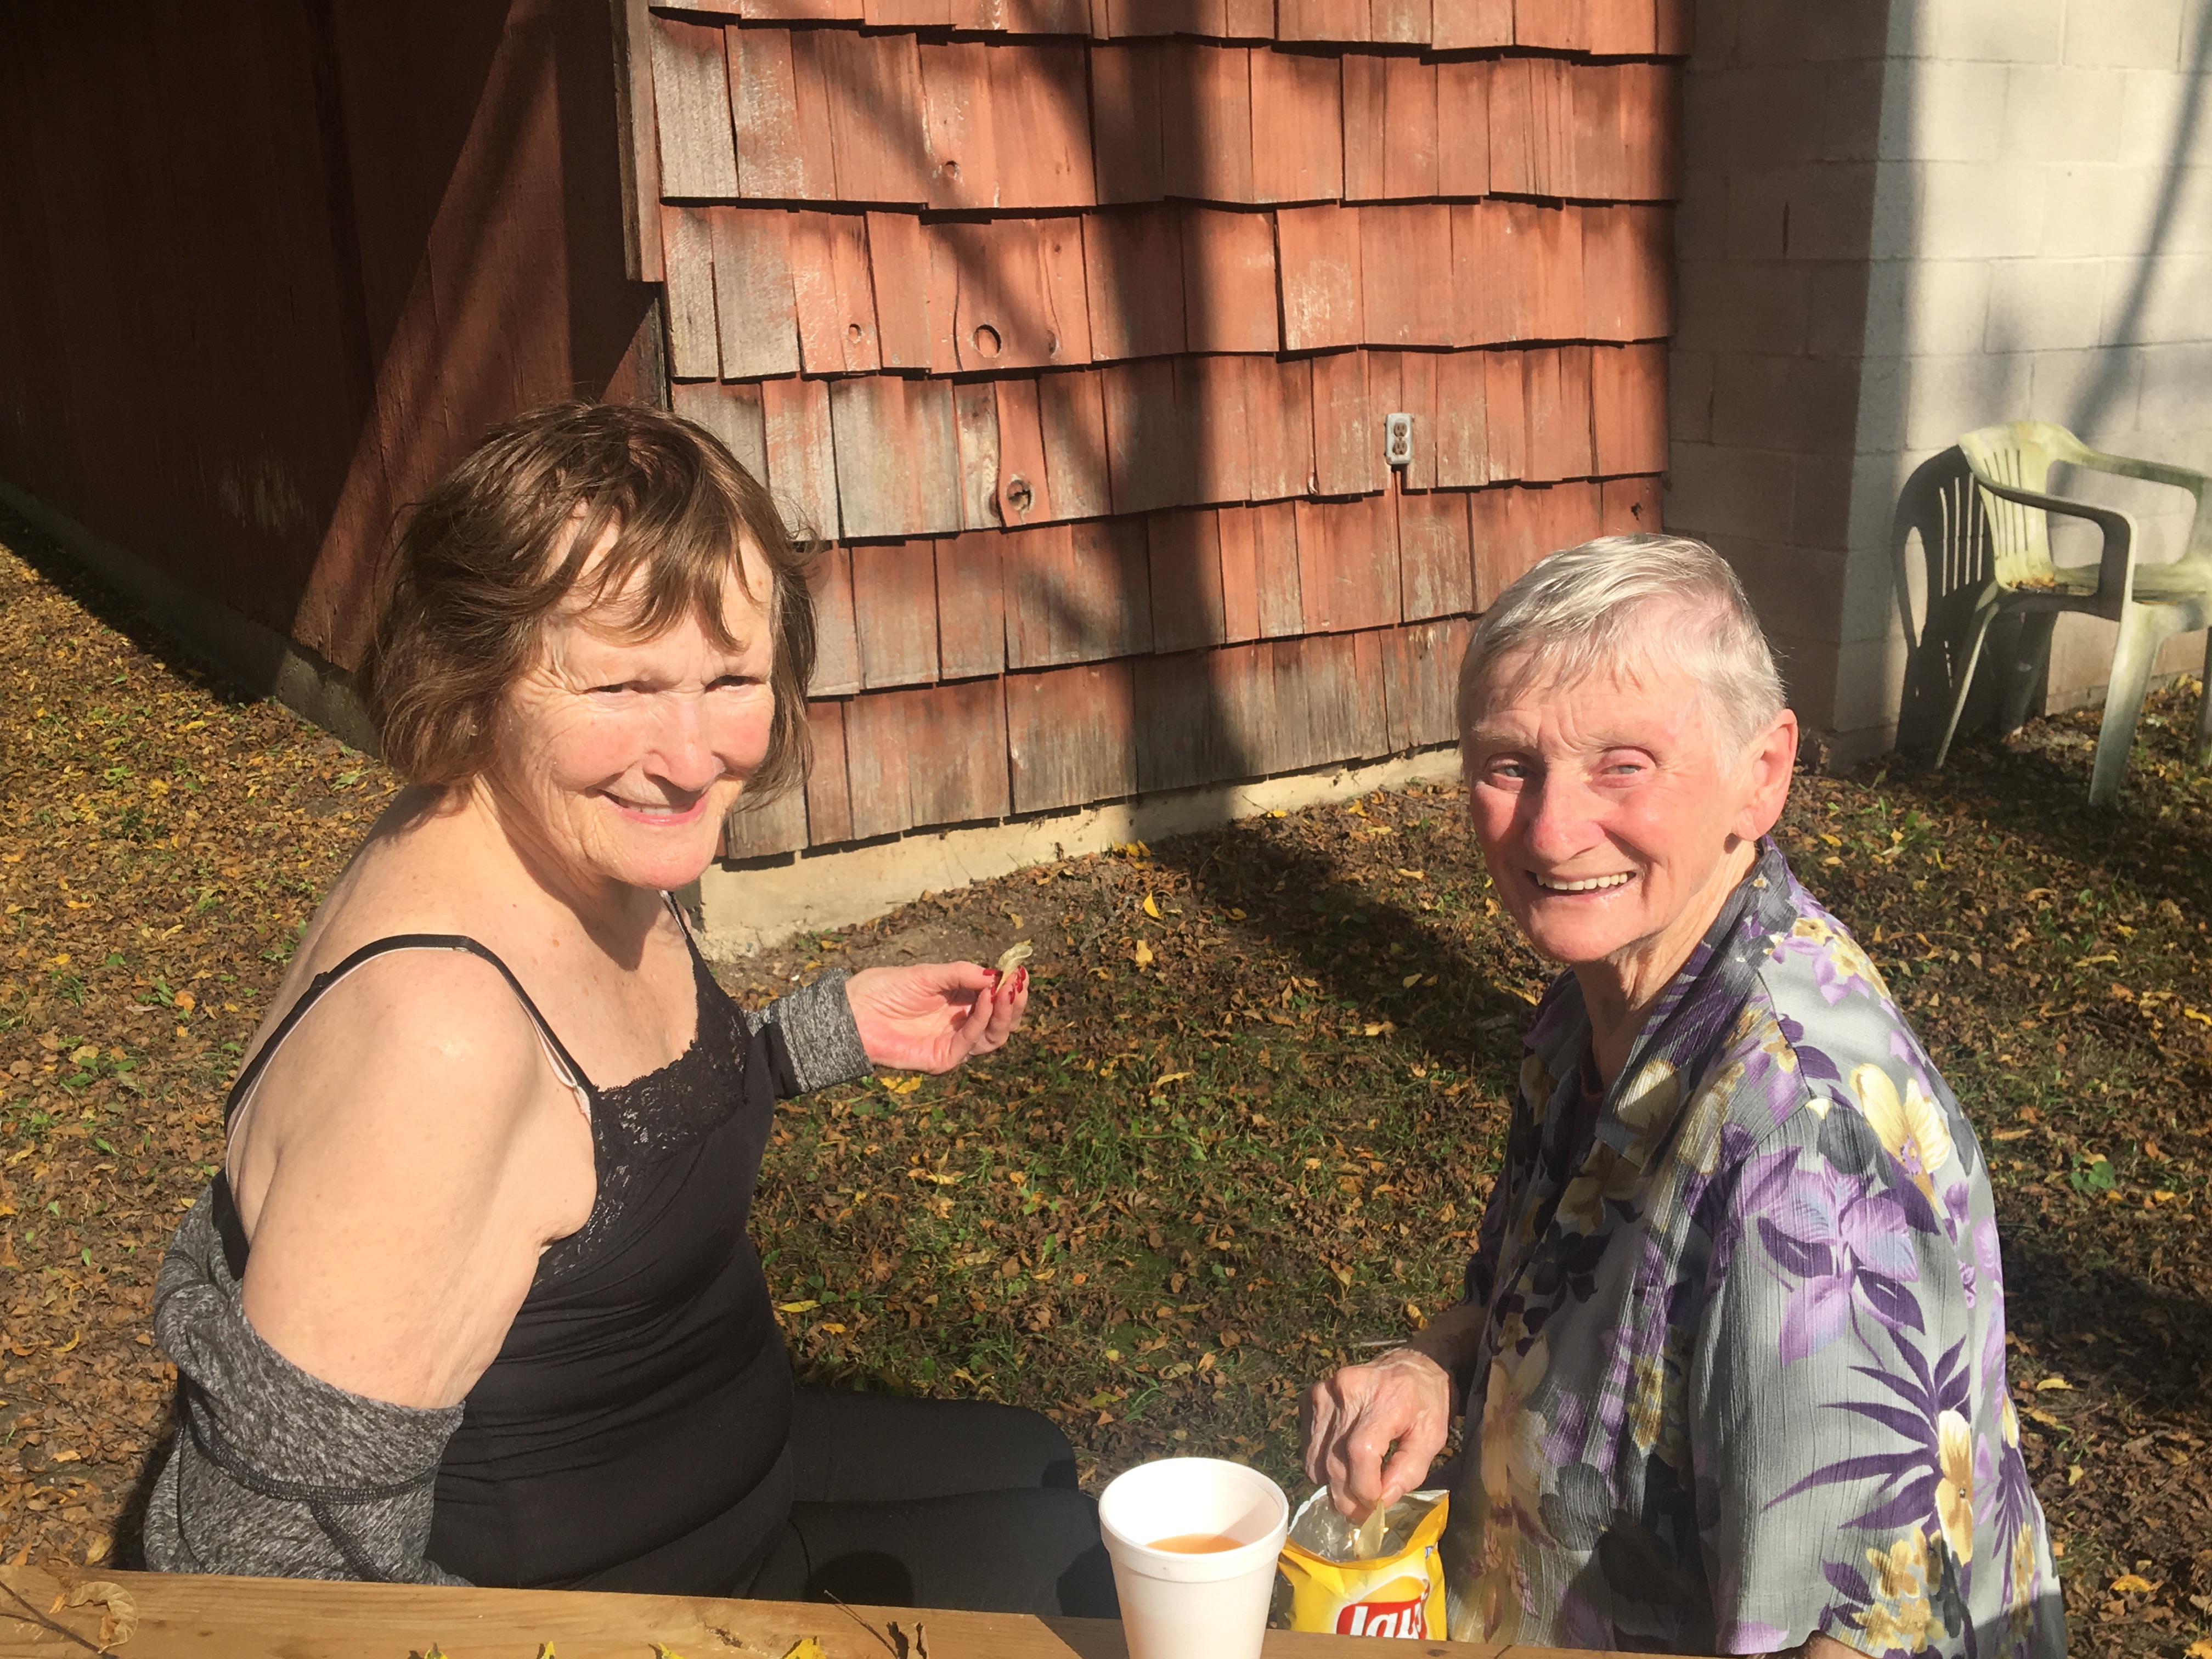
(114, 611)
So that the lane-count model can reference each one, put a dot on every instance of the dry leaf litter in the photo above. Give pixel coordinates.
(1243, 1138)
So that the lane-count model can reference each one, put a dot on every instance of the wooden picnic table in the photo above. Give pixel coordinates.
(184, 1616)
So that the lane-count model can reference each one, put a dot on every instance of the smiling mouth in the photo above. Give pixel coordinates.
(659, 811)
(1581, 884)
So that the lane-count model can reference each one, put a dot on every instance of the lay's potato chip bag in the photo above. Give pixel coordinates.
(1323, 1584)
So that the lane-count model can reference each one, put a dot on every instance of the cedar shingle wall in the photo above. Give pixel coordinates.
(1075, 323)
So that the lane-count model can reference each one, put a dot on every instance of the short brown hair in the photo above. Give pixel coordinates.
(475, 575)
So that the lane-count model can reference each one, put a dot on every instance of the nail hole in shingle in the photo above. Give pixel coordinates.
(986, 340)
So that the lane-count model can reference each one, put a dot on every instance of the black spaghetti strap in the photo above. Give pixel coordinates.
(385, 946)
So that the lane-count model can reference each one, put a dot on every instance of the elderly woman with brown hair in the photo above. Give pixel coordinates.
(472, 1298)
(1732, 1353)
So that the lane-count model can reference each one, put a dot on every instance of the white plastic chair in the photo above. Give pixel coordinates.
(2151, 603)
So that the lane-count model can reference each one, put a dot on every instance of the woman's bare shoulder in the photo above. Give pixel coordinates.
(424, 1056)
(407, 1155)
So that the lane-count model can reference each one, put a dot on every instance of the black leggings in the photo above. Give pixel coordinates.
(935, 1503)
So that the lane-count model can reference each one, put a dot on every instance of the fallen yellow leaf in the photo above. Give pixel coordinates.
(2200, 1649)
(1414, 875)
(1409, 982)
(797, 1307)
(806, 1647)
(1152, 907)
(1015, 954)
(2053, 1382)
(119, 1612)
(1142, 956)
(2132, 1583)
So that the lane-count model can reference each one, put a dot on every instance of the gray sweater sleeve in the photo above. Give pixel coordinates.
(274, 1472)
(819, 1034)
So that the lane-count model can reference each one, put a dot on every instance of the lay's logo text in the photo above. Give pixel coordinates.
(1404, 1618)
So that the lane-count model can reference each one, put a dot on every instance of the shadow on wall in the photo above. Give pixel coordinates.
(1130, 586)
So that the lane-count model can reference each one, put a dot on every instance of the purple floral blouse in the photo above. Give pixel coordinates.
(1742, 1377)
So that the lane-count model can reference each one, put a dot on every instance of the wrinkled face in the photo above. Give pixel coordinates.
(1609, 814)
(617, 758)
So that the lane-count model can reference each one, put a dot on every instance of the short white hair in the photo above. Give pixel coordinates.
(1586, 610)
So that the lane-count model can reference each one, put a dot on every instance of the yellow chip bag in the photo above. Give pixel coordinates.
(1323, 1583)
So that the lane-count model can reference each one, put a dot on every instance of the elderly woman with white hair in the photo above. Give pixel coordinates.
(1732, 1353)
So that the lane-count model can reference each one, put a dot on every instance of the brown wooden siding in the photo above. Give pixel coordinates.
(266, 270)
(1075, 325)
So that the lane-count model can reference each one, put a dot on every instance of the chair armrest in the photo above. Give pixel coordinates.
(2159, 472)
(2115, 568)
(2164, 472)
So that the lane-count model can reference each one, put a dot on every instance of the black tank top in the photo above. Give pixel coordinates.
(631, 1434)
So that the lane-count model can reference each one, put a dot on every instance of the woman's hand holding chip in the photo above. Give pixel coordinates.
(933, 1016)
(1372, 1430)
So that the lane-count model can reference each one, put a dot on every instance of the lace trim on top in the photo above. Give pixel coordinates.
(638, 1124)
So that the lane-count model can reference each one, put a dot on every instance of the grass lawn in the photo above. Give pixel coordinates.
(1246, 1134)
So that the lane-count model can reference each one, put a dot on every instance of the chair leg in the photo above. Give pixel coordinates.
(2029, 655)
(2204, 711)
(1976, 631)
(2132, 656)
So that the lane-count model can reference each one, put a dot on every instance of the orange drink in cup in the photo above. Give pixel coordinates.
(1193, 1542)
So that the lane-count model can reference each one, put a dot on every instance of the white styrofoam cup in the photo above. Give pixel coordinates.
(1175, 1606)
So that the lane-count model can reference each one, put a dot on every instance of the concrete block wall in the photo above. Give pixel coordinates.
(1905, 221)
